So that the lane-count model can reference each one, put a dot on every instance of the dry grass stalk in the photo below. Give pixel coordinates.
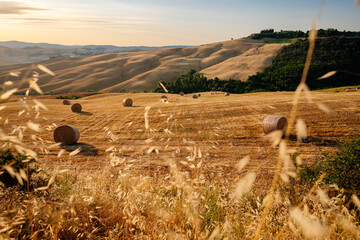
(162, 85)
(356, 200)
(244, 185)
(348, 226)
(40, 105)
(75, 152)
(301, 131)
(303, 202)
(310, 225)
(327, 75)
(146, 115)
(34, 126)
(45, 69)
(242, 163)
(8, 93)
(323, 107)
(15, 74)
(35, 86)
(312, 38)
(61, 152)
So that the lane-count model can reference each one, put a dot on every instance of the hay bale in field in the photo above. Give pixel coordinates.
(164, 99)
(199, 95)
(66, 134)
(127, 102)
(195, 96)
(66, 102)
(181, 94)
(274, 122)
(227, 94)
(76, 107)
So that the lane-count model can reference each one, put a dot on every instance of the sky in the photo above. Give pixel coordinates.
(165, 22)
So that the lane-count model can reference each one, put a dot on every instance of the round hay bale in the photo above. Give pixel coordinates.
(66, 134)
(199, 95)
(127, 102)
(227, 94)
(195, 96)
(181, 94)
(76, 107)
(66, 102)
(163, 97)
(274, 122)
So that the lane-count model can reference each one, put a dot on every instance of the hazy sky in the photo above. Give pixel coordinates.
(164, 22)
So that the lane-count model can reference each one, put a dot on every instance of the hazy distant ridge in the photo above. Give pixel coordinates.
(18, 44)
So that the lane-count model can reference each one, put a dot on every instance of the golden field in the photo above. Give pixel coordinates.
(224, 128)
(160, 170)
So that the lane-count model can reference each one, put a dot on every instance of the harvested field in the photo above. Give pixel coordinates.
(218, 130)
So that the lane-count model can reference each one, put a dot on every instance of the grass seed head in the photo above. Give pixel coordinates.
(301, 130)
(242, 163)
(244, 185)
(8, 93)
(310, 227)
(46, 70)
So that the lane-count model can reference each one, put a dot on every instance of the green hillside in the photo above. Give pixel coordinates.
(336, 53)
(332, 53)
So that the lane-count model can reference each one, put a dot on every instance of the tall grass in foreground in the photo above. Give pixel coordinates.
(126, 205)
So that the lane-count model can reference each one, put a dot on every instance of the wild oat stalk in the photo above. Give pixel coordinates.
(312, 38)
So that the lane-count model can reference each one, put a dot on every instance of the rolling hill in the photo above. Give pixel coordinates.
(15, 52)
(140, 71)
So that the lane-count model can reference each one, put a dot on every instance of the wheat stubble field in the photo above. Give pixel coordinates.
(206, 136)
(187, 169)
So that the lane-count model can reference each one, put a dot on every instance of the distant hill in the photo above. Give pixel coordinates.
(15, 52)
(18, 44)
(141, 70)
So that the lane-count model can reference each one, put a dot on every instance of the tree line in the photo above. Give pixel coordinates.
(330, 32)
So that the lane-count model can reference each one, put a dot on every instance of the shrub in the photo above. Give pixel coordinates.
(68, 97)
(17, 163)
(341, 167)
